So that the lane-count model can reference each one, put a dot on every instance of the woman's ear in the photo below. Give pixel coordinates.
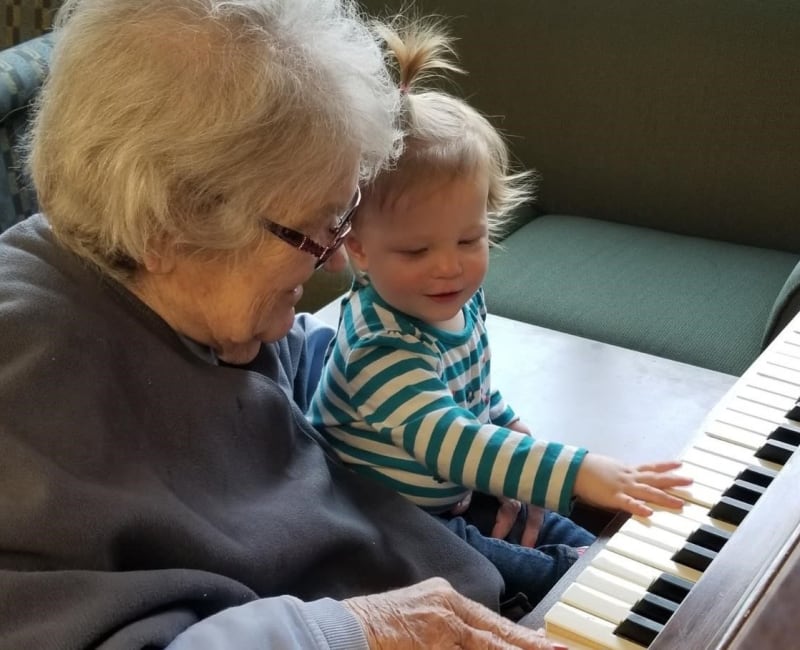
(160, 258)
(356, 252)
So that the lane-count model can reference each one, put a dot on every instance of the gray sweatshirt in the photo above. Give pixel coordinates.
(145, 488)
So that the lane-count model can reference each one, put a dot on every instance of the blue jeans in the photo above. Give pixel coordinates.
(529, 571)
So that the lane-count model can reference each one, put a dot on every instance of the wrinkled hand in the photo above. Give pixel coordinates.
(609, 483)
(431, 614)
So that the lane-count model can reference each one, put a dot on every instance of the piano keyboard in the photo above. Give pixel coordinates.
(631, 589)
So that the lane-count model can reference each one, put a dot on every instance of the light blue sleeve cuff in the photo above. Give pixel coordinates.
(284, 623)
(338, 626)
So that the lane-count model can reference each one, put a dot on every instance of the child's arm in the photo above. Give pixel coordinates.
(394, 383)
(402, 397)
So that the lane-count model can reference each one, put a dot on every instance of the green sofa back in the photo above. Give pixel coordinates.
(681, 115)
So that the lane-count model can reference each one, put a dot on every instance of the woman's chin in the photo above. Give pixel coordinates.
(239, 354)
(278, 327)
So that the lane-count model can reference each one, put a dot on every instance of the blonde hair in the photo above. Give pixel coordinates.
(185, 120)
(443, 134)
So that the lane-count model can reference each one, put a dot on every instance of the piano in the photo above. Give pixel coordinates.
(724, 572)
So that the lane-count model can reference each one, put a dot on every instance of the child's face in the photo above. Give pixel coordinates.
(427, 253)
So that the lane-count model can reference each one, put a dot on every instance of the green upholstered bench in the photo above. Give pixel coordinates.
(701, 301)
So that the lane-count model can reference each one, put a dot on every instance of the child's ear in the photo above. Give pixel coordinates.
(355, 251)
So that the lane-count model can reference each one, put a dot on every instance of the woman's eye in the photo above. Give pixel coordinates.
(469, 242)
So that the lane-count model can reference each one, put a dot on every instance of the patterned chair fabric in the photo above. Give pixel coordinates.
(23, 68)
(26, 19)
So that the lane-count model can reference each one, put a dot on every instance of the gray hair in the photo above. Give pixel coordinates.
(184, 120)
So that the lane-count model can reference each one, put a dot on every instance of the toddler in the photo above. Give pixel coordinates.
(406, 396)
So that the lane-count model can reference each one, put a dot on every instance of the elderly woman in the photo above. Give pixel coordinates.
(196, 161)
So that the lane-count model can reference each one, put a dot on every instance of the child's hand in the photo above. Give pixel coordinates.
(519, 426)
(608, 483)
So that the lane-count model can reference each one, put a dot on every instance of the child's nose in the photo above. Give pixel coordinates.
(448, 263)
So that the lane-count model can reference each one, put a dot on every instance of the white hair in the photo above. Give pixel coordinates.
(184, 120)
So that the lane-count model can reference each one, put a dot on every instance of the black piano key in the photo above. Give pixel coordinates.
(758, 475)
(671, 587)
(789, 436)
(694, 556)
(775, 451)
(794, 412)
(744, 491)
(731, 511)
(638, 629)
(655, 608)
(709, 537)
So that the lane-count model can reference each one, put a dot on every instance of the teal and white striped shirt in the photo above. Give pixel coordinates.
(412, 406)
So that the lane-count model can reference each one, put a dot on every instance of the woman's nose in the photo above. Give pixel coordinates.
(336, 262)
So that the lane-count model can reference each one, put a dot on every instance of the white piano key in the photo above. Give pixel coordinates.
(752, 412)
(756, 426)
(766, 398)
(572, 623)
(591, 601)
(669, 521)
(607, 583)
(712, 462)
(785, 346)
(774, 385)
(775, 371)
(704, 476)
(736, 435)
(732, 452)
(653, 535)
(625, 568)
(790, 335)
(572, 644)
(702, 495)
(789, 354)
(655, 557)
(691, 516)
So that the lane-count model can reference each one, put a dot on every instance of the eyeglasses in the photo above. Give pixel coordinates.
(304, 243)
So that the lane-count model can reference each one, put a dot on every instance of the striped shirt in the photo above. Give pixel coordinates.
(412, 406)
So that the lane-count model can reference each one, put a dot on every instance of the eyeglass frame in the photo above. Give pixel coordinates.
(304, 243)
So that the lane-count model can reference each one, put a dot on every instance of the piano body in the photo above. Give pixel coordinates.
(725, 571)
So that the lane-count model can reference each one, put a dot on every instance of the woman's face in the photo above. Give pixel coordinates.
(234, 303)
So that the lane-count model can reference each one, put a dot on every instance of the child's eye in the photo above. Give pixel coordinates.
(413, 252)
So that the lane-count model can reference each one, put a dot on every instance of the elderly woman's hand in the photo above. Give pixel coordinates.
(431, 614)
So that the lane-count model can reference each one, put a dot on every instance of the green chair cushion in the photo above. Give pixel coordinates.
(699, 301)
